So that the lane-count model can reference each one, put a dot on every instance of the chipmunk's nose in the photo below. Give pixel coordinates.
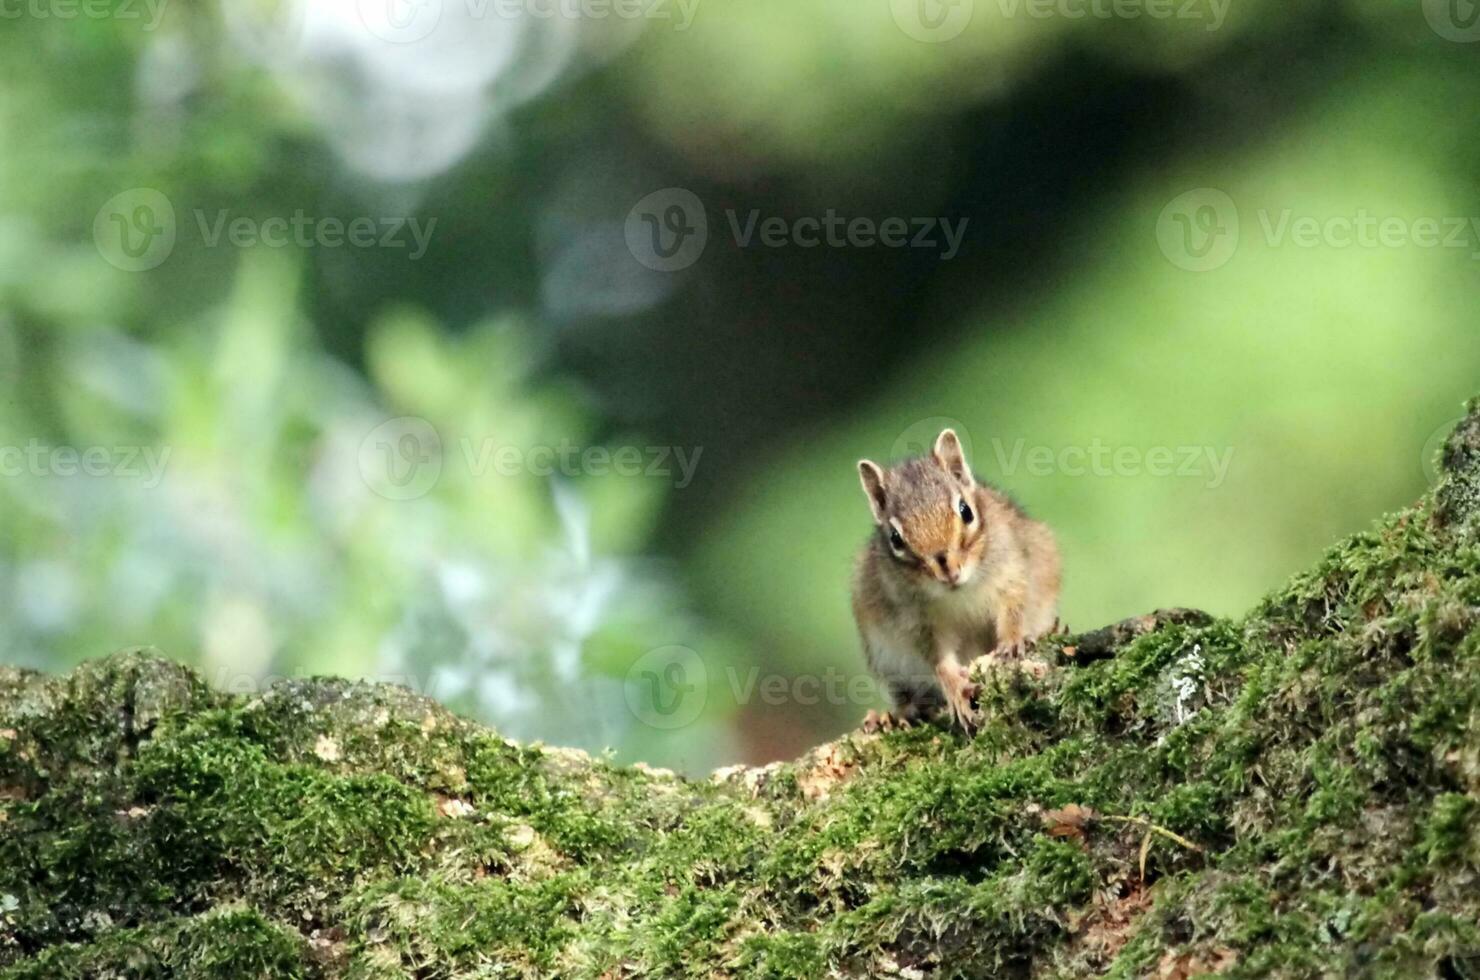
(949, 574)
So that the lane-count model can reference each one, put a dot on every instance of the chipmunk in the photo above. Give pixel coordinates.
(954, 569)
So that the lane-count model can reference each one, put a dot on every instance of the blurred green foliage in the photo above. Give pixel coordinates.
(257, 533)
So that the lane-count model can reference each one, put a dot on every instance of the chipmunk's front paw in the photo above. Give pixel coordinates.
(887, 721)
(965, 718)
(963, 706)
(961, 694)
(1011, 651)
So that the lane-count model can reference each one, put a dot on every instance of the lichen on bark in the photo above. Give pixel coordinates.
(1295, 793)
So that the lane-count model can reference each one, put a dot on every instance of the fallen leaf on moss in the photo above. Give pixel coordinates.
(453, 808)
(1110, 924)
(1067, 821)
(1182, 966)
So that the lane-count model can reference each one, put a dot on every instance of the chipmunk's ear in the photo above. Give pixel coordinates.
(873, 488)
(949, 455)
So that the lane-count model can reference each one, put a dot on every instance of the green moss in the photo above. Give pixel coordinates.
(220, 807)
(1451, 831)
(783, 954)
(228, 943)
(436, 927)
(1302, 788)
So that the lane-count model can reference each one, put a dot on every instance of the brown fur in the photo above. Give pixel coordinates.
(958, 590)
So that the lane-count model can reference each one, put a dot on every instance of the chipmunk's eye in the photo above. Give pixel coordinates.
(965, 510)
(895, 541)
